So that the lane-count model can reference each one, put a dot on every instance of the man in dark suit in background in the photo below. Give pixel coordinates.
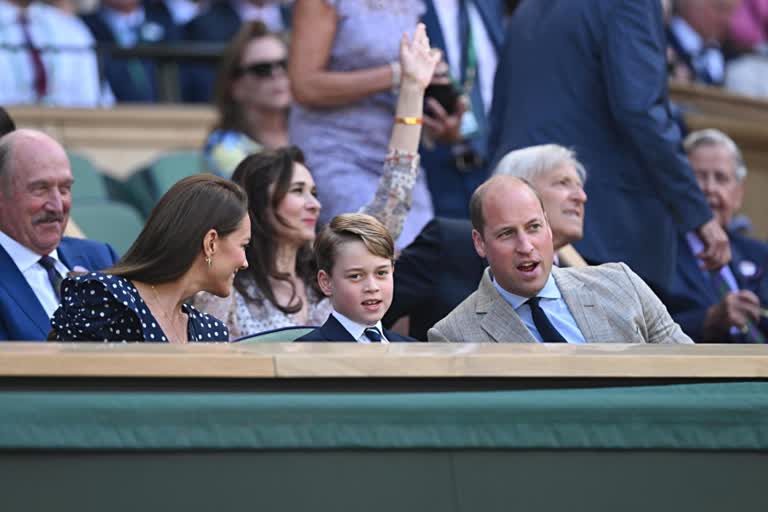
(35, 198)
(128, 23)
(592, 76)
(470, 33)
(721, 306)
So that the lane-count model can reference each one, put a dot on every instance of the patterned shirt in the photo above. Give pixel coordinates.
(103, 307)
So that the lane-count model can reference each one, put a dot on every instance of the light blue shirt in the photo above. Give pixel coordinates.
(554, 307)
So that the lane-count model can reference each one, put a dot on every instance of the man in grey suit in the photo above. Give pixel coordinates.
(522, 298)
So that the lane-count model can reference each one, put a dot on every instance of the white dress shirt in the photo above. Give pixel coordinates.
(358, 330)
(68, 57)
(448, 15)
(554, 307)
(27, 261)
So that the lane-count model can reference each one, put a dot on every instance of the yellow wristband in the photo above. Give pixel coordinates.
(409, 120)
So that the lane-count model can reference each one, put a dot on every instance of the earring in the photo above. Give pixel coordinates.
(209, 261)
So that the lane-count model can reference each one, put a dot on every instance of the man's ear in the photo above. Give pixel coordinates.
(324, 280)
(210, 240)
(477, 238)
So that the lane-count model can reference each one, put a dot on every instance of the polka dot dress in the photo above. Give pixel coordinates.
(102, 307)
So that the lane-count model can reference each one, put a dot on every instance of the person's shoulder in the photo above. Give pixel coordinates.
(313, 335)
(84, 244)
(393, 336)
(753, 246)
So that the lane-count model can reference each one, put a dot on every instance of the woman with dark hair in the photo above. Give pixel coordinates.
(194, 240)
(252, 99)
(279, 289)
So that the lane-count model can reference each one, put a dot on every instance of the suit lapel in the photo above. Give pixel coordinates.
(434, 31)
(492, 18)
(333, 331)
(20, 292)
(586, 309)
(497, 317)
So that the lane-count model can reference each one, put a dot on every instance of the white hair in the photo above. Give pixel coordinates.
(713, 137)
(528, 163)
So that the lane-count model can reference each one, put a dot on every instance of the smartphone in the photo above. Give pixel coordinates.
(445, 94)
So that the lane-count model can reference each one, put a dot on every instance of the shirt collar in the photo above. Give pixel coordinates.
(550, 291)
(354, 328)
(23, 257)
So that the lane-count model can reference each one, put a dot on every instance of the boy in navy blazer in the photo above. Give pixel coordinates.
(355, 257)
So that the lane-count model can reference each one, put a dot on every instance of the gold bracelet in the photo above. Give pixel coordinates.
(409, 120)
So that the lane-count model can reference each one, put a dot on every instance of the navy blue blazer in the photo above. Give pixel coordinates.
(22, 317)
(219, 23)
(592, 76)
(434, 274)
(332, 330)
(692, 292)
(450, 187)
(127, 84)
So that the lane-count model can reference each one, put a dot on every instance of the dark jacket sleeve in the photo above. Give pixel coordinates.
(416, 272)
(635, 47)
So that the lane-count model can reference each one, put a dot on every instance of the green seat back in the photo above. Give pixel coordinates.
(174, 166)
(284, 334)
(89, 182)
(108, 221)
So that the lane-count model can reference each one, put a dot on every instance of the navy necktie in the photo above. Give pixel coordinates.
(49, 264)
(373, 334)
(547, 331)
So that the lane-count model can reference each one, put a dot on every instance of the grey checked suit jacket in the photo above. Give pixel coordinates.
(610, 304)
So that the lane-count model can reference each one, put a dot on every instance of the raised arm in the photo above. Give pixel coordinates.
(314, 29)
(394, 193)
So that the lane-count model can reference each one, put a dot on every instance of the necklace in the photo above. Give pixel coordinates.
(165, 315)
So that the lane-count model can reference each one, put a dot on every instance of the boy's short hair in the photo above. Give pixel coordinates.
(350, 227)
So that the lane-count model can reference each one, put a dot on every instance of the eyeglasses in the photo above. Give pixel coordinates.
(262, 69)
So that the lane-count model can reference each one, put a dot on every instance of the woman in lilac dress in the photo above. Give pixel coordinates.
(343, 64)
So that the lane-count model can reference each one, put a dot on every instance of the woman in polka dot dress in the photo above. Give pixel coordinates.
(193, 241)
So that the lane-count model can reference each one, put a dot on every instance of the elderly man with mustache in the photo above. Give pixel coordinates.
(35, 198)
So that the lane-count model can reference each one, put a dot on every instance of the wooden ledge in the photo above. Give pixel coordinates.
(333, 360)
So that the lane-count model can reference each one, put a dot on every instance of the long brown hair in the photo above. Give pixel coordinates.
(173, 235)
(230, 117)
(266, 178)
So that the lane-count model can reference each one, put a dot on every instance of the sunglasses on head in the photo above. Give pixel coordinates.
(262, 69)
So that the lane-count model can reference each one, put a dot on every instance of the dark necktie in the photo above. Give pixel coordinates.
(38, 69)
(751, 332)
(547, 331)
(49, 264)
(373, 334)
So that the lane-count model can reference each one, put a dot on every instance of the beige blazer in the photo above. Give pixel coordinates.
(610, 304)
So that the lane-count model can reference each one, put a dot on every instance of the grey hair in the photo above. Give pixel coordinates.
(6, 146)
(713, 137)
(528, 163)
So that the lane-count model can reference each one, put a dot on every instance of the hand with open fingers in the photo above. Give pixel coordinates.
(717, 248)
(442, 126)
(417, 59)
(736, 309)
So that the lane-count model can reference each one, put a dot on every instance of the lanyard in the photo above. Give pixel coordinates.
(468, 53)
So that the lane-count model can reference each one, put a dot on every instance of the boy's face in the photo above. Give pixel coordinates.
(360, 283)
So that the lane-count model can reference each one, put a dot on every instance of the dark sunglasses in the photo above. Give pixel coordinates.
(262, 69)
